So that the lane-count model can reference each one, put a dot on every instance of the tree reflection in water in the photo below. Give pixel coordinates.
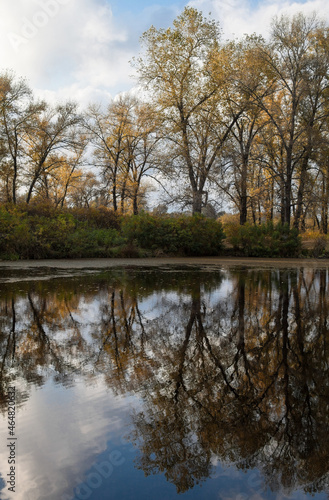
(240, 375)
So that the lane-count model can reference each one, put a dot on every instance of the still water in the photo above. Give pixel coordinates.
(157, 384)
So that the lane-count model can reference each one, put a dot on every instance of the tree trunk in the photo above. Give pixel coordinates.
(300, 194)
(14, 183)
(114, 196)
(286, 209)
(243, 197)
(29, 194)
(325, 204)
(123, 197)
(135, 203)
(197, 202)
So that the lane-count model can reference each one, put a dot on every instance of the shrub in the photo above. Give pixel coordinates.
(265, 240)
(50, 235)
(40, 231)
(15, 237)
(100, 217)
(86, 242)
(182, 235)
(320, 245)
(38, 209)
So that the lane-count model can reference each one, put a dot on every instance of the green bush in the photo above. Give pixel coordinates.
(42, 232)
(100, 217)
(320, 247)
(88, 242)
(191, 236)
(38, 209)
(15, 236)
(51, 235)
(265, 240)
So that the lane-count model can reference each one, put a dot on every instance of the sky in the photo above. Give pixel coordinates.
(80, 49)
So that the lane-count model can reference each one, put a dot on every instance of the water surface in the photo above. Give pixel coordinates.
(139, 383)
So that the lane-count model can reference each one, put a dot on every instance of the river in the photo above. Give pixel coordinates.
(205, 379)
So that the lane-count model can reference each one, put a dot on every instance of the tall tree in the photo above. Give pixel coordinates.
(142, 152)
(238, 156)
(18, 114)
(107, 132)
(125, 145)
(314, 117)
(54, 135)
(179, 68)
(293, 107)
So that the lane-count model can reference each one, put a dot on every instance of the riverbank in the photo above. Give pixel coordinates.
(217, 262)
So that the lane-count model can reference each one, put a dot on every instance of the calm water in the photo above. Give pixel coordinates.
(151, 384)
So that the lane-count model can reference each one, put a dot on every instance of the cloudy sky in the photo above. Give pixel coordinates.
(80, 49)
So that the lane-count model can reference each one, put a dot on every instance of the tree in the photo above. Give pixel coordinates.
(35, 139)
(107, 132)
(142, 153)
(298, 69)
(51, 140)
(18, 113)
(60, 183)
(86, 191)
(180, 70)
(125, 146)
(238, 163)
(314, 116)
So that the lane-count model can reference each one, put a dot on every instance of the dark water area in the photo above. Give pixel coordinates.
(155, 384)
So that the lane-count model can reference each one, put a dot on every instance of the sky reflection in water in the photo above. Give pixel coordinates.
(147, 384)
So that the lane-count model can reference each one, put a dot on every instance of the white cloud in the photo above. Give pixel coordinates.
(238, 17)
(62, 44)
(83, 95)
(80, 50)
(58, 440)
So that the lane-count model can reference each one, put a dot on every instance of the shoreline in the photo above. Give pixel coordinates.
(105, 263)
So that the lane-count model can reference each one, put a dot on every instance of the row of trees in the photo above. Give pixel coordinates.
(243, 122)
(249, 116)
(69, 158)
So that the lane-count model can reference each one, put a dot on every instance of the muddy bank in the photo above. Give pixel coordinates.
(161, 262)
